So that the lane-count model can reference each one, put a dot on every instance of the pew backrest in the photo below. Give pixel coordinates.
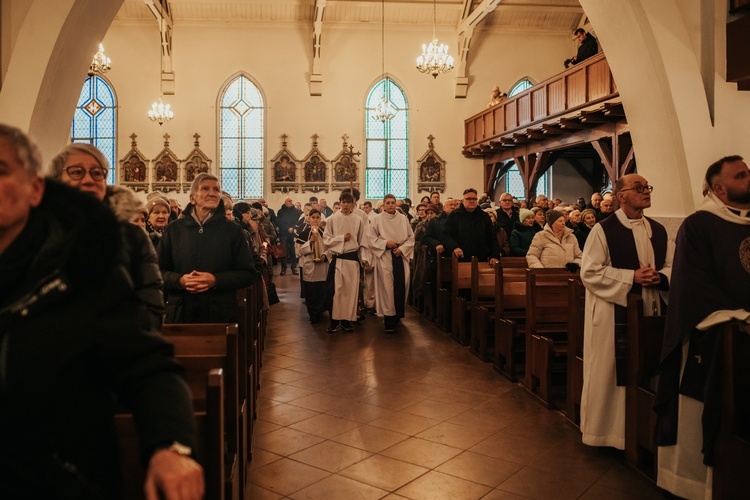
(482, 282)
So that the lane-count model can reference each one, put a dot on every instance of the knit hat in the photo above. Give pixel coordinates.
(256, 214)
(553, 215)
(588, 211)
(155, 201)
(523, 213)
(431, 207)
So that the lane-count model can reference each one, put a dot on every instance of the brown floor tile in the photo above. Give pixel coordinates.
(597, 492)
(330, 456)
(421, 452)
(436, 486)
(455, 435)
(286, 476)
(286, 441)
(543, 485)
(512, 448)
(257, 493)
(586, 465)
(279, 361)
(285, 414)
(368, 438)
(435, 409)
(262, 457)
(361, 412)
(405, 423)
(262, 403)
(502, 495)
(339, 488)
(479, 468)
(321, 402)
(264, 427)
(383, 472)
(623, 479)
(325, 426)
(393, 400)
(281, 375)
(483, 419)
(286, 393)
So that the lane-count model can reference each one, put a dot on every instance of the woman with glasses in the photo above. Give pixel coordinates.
(84, 167)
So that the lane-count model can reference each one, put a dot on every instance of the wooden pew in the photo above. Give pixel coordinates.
(510, 325)
(429, 290)
(460, 289)
(482, 296)
(209, 447)
(443, 286)
(645, 339)
(732, 448)
(246, 383)
(576, 310)
(546, 333)
(200, 347)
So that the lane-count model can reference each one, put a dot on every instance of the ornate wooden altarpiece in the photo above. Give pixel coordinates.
(315, 169)
(345, 167)
(195, 163)
(134, 168)
(285, 168)
(431, 170)
(165, 173)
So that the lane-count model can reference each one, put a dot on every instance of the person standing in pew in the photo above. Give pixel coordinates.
(625, 253)
(204, 259)
(70, 340)
(710, 286)
(468, 231)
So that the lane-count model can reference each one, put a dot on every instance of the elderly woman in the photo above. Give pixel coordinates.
(140, 217)
(502, 236)
(555, 246)
(85, 168)
(158, 217)
(540, 219)
(523, 232)
(588, 221)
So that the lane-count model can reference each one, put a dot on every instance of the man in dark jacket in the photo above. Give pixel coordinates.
(468, 231)
(70, 338)
(507, 214)
(588, 48)
(204, 259)
(286, 220)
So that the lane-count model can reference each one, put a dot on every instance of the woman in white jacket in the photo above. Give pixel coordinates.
(555, 246)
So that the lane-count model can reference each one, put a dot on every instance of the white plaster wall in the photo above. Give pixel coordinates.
(278, 59)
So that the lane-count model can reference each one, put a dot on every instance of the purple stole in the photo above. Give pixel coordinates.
(623, 254)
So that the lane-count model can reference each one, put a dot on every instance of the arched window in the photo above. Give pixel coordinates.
(95, 120)
(241, 130)
(520, 86)
(387, 143)
(514, 183)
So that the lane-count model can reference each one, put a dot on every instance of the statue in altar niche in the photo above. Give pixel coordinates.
(134, 170)
(195, 166)
(346, 170)
(166, 170)
(284, 170)
(429, 171)
(315, 170)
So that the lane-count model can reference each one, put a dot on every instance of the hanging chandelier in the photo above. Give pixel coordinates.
(160, 112)
(101, 63)
(434, 59)
(385, 110)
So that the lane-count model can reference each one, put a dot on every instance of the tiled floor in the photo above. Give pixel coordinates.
(366, 415)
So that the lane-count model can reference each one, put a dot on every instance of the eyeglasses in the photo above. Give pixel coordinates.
(639, 188)
(509, 200)
(78, 173)
(471, 199)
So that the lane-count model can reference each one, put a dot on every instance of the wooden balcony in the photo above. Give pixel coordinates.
(542, 117)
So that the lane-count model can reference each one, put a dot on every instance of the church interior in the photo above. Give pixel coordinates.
(437, 422)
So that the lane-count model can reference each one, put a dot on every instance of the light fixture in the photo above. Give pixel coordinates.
(385, 110)
(101, 63)
(159, 111)
(434, 59)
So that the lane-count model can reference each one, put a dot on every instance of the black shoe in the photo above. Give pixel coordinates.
(346, 326)
(283, 272)
(333, 327)
(294, 271)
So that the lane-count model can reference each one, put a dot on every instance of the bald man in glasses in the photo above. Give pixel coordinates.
(625, 253)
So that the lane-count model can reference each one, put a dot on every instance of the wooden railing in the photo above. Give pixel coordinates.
(582, 85)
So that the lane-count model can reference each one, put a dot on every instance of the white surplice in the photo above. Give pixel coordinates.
(602, 400)
(346, 291)
(384, 227)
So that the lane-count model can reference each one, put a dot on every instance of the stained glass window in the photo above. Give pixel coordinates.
(95, 120)
(520, 86)
(387, 143)
(241, 130)
(514, 184)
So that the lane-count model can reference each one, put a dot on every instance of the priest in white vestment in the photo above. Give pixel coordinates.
(391, 243)
(343, 236)
(626, 253)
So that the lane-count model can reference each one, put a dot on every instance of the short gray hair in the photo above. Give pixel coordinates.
(57, 164)
(26, 150)
(203, 176)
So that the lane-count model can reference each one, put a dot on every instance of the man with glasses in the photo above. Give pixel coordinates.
(507, 214)
(711, 286)
(468, 232)
(625, 253)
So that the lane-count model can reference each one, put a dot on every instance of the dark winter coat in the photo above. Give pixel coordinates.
(588, 48)
(521, 237)
(70, 340)
(472, 233)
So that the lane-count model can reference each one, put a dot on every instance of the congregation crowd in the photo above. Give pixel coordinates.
(88, 274)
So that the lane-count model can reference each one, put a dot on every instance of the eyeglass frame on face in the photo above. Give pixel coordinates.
(640, 188)
(91, 171)
(471, 199)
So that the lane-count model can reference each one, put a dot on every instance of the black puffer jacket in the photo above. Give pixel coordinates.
(70, 338)
(472, 233)
(218, 246)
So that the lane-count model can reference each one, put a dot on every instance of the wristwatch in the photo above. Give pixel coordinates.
(181, 449)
